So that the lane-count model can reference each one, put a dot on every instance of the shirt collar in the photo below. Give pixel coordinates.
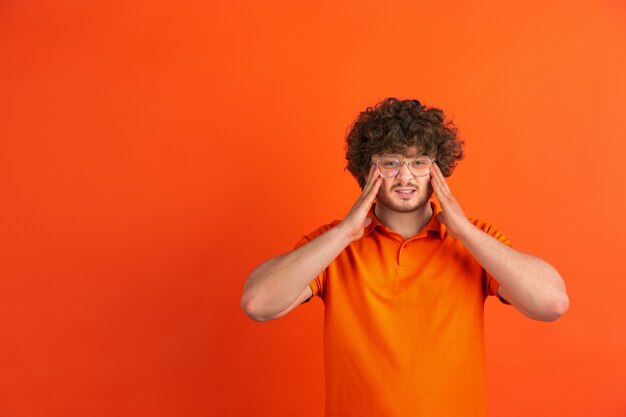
(433, 225)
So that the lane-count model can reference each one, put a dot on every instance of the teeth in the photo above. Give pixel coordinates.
(406, 192)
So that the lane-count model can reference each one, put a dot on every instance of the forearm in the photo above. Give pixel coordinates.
(275, 284)
(529, 283)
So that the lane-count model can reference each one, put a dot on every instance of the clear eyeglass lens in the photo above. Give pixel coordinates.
(389, 167)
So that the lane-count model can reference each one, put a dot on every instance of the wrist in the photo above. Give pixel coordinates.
(344, 234)
(467, 232)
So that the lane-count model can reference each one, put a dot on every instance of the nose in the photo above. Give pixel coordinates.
(405, 173)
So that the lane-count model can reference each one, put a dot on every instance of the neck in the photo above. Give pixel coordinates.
(406, 224)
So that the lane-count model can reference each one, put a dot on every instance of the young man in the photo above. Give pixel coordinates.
(404, 277)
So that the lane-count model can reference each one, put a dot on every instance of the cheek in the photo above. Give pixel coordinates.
(425, 185)
(386, 185)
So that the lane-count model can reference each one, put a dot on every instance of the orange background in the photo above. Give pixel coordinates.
(153, 153)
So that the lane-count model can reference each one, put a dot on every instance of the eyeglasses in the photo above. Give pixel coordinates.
(389, 166)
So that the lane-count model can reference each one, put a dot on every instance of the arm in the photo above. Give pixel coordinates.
(275, 286)
(530, 284)
(280, 284)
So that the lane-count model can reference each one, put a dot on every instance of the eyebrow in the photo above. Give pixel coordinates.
(397, 154)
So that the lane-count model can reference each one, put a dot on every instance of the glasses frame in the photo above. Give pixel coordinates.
(402, 162)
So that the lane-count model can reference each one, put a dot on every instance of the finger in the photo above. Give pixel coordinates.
(447, 200)
(435, 184)
(369, 194)
(443, 180)
(368, 179)
(440, 180)
(371, 179)
(365, 200)
(442, 195)
(434, 181)
(374, 190)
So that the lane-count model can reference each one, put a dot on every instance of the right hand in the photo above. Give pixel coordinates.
(357, 219)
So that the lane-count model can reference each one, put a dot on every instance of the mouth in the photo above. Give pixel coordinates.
(405, 192)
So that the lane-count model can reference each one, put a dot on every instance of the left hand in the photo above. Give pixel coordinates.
(452, 215)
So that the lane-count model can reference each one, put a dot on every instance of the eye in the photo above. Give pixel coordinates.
(390, 163)
(421, 162)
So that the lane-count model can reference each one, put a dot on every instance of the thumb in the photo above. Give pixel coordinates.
(441, 218)
(367, 221)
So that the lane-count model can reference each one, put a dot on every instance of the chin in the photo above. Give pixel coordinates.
(399, 207)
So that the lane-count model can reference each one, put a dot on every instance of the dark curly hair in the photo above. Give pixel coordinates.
(392, 126)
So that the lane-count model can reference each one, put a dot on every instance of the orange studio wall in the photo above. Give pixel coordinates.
(153, 153)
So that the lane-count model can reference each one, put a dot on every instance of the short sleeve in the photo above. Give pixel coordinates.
(489, 282)
(317, 284)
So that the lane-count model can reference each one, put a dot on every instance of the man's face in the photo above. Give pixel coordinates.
(388, 193)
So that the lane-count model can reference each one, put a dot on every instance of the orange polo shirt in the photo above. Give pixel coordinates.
(403, 323)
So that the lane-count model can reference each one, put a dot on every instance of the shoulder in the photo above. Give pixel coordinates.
(315, 233)
(490, 229)
(482, 225)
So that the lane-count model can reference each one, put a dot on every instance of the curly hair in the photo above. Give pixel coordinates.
(392, 126)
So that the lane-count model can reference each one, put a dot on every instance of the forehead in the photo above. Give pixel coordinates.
(409, 152)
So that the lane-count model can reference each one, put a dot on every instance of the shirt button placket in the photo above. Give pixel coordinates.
(403, 261)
